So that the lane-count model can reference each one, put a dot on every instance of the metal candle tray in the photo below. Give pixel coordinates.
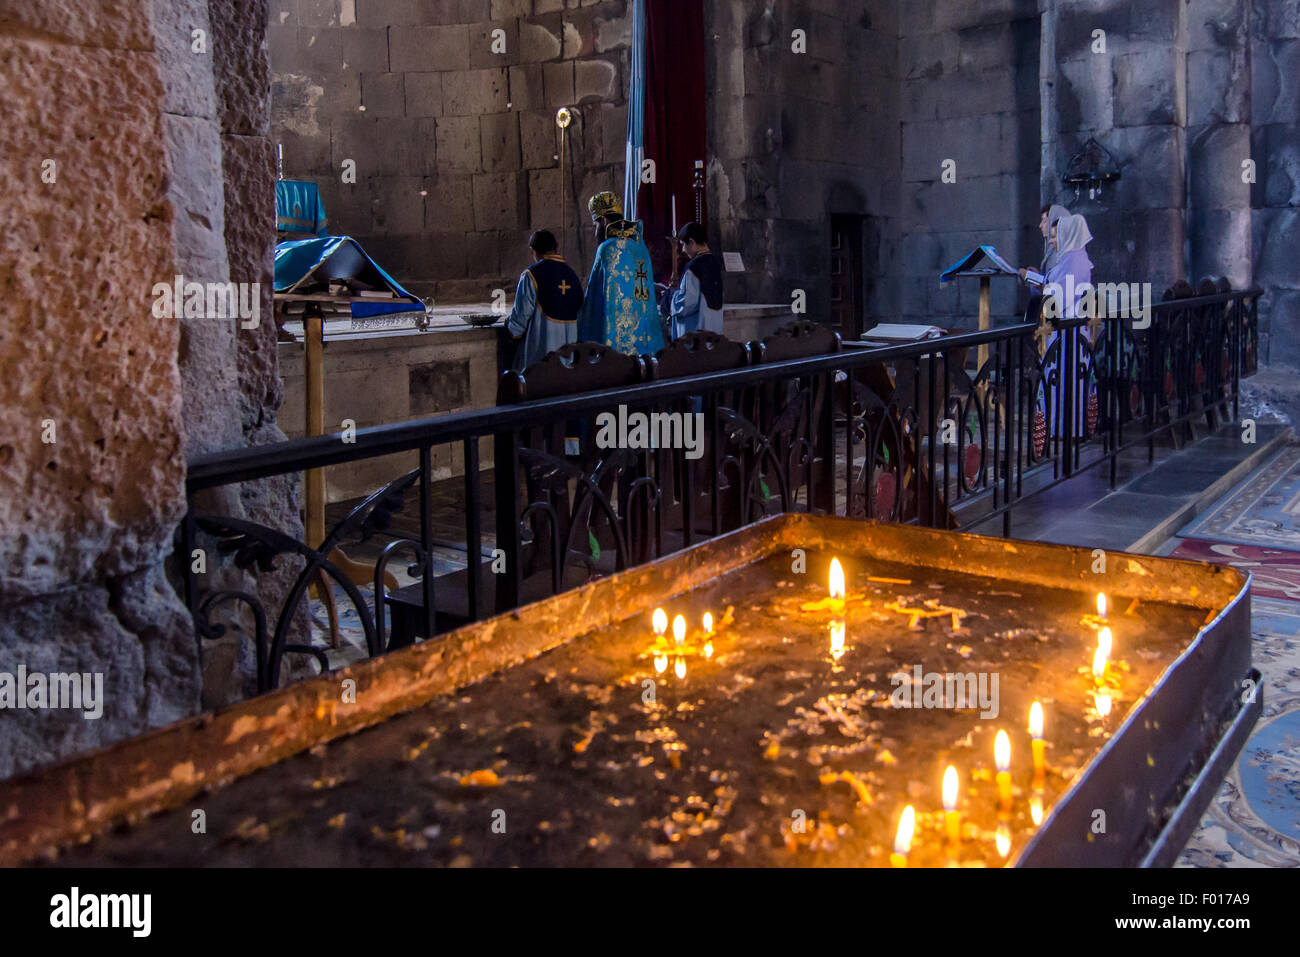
(1164, 753)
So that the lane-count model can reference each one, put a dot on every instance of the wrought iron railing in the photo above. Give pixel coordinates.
(910, 433)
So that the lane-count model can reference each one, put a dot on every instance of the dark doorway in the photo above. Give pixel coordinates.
(847, 289)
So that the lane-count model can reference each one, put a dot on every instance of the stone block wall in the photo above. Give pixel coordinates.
(797, 136)
(968, 74)
(1274, 47)
(451, 125)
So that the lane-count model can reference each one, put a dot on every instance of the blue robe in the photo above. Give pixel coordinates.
(619, 309)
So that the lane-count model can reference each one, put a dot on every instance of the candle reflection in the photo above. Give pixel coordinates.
(661, 663)
(1102, 701)
(1003, 839)
(679, 669)
(1101, 604)
(837, 639)
(1036, 807)
(1037, 743)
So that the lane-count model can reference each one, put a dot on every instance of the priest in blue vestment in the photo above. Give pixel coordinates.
(619, 309)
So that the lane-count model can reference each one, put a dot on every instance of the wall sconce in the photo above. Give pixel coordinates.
(1092, 167)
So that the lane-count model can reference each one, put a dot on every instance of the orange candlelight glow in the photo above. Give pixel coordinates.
(837, 580)
(660, 622)
(951, 816)
(1036, 807)
(837, 639)
(1103, 703)
(1101, 605)
(1105, 640)
(661, 663)
(708, 622)
(1002, 756)
(679, 669)
(708, 649)
(1037, 743)
(903, 840)
(679, 629)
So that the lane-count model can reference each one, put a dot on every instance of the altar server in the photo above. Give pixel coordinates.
(697, 302)
(548, 298)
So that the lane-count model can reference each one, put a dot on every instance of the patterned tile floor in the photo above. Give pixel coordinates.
(1254, 821)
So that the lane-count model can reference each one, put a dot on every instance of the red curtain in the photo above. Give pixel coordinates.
(675, 134)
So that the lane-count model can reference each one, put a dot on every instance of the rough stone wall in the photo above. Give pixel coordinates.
(455, 145)
(969, 78)
(796, 137)
(86, 516)
(1274, 36)
(1134, 99)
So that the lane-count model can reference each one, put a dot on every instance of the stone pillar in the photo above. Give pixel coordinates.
(1275, 148)
(1133, 98)
(1218, 134)
(91, 465)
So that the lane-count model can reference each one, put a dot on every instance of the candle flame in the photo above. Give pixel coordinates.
(661, 664)
(1099, 664)
(1103, 704)
(679, 669)
(1036, 720)
(1002, 751)
(1105, 640)
(708, 649)
(1004, 839)
(837, 639)
(679, 629)
(660, 621)
(950, 789)
(837, 579)
(1036, 808)
(708, 622)
(1101, 604)
(906, 827)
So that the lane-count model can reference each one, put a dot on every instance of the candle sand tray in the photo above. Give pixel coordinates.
(567, 734)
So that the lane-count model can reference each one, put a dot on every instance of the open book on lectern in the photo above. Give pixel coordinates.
(985, 261)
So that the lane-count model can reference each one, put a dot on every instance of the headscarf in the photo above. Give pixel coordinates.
(604, 204)
(1072, 234)
(1054, 215)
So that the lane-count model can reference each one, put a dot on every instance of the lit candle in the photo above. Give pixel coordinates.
(1101, 605)
(1004, 839)
(837, 639)
(1103, 703)
(1105, 640)
(951, 816)
(1036, 735)
(708, 649)
(1002, 756)
(660, 622)
(679, 669)
(903, 840)
(837, 581)
(679, 629)
(708, 623)
(1036, 807)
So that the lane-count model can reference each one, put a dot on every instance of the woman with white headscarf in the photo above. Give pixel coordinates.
(1071, 273)
(1051, 215)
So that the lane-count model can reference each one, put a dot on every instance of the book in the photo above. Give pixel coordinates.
(983, 261)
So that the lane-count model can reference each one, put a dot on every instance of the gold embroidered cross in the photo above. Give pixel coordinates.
(564, 286)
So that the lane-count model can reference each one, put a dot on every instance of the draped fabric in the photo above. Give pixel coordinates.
(675, 121)
(635, 113)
